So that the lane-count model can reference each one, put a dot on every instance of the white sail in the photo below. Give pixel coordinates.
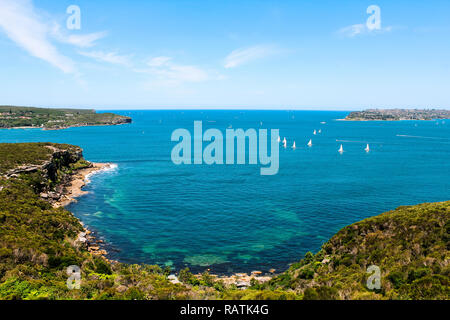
(294, 146)
(320, 130)
(310, 143)
(285, 143)
(279, 139)
(315, 132)
(341, 149)
(367, 148)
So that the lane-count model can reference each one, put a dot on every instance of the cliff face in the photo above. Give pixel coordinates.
(50, 169)
(58, 158)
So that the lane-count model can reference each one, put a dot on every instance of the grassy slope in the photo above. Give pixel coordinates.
(410, 245)
(53, 118)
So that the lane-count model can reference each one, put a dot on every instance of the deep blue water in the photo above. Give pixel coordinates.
(232, 219)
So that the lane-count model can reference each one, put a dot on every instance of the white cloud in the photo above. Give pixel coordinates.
(169, 73)
(245, 55)
(21, 24)
(110, 57)
(353, 30)
(158, 61)
(361, 29)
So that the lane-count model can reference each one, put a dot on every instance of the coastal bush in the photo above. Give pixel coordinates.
(55, 118)
(102, 267)
(409, 244)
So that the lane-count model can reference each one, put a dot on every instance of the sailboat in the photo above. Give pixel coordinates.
(315, 132)
(279, 139)
(285, 143)
(294, 146)
(310, 143)
(341, 149)
(320, 130)
(367, 148)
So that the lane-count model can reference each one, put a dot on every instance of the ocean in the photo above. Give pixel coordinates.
(229, 218)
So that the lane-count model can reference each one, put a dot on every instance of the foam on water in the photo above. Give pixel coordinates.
(110, 167)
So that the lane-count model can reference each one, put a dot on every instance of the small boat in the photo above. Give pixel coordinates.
(294, 146)
(341, 149)
(285, 143)
(323, 122)
(279, 139)
(310, 143)
(367, 149)
(315, 132)
(320, 130)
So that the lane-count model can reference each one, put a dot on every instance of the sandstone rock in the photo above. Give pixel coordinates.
(243, 284)
(241, 275)
(173, 279)
(81, 239)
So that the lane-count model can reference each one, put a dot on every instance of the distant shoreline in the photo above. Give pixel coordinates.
(64, 128)
(399, 115)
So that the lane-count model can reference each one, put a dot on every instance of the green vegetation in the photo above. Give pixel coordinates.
(12, 117)
(410, 245)
(398, 114)
(13, 155)
(38, 243)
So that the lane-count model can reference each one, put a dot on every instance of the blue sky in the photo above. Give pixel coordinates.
(225, 54)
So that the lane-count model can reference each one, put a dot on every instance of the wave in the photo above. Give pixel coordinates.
(421, 137)
(111, 167)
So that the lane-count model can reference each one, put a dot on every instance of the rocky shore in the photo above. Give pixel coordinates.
(73, 189)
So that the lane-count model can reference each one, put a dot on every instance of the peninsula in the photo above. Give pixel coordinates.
(398, 114)
(54, 119)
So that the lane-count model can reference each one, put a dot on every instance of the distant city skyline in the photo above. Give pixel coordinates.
(271, 55)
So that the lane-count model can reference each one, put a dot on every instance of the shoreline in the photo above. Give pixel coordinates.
(74, 190)
(63, 128)
(77, 182)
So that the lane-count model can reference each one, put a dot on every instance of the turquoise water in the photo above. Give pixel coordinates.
(232, 219)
